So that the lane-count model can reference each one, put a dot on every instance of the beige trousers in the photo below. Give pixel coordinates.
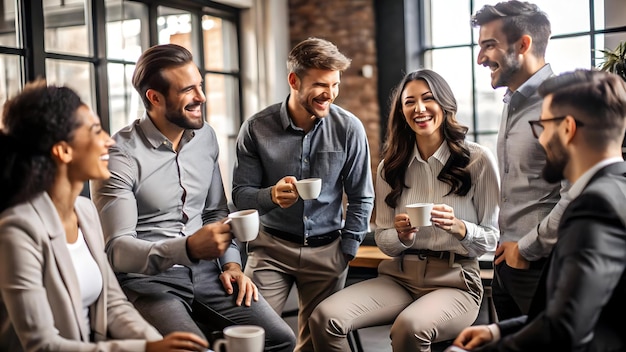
(275, 265)
(426, 300)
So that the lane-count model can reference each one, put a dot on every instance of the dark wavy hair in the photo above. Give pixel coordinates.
(400, 140)
(32, 122)
(148, 71)
(518, 18)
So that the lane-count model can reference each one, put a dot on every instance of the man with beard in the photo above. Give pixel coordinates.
(163, 211)
(581, 294)
(305, 242)
(513, 37)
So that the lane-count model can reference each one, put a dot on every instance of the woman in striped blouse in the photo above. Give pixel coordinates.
(431, 289)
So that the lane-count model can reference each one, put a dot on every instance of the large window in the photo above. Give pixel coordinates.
(449, 47)
(92, 46)
(11, 51)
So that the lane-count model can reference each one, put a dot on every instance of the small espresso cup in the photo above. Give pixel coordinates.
(242, 338)
(419, 214)
(244, 224)
(309, 188)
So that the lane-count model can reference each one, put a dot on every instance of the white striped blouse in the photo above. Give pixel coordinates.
(478, 209)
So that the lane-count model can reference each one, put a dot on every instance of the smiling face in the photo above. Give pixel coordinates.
(496, 54)
(315, 91)
(90, 148)
(184, 101)
(421, 111)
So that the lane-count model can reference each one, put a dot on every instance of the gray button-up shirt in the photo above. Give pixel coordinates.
(270, 147)
(156, 196)
(528, 214)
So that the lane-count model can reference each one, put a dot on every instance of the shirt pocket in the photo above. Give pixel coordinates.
(328, 164)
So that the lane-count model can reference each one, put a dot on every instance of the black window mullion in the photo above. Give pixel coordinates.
(33, 28)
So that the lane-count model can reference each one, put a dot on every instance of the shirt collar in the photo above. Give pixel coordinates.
(155, 137)
(286, 121)
(529, 87)
(441, 154)
(582, 181)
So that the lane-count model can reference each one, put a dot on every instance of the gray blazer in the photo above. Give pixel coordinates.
(40, 302)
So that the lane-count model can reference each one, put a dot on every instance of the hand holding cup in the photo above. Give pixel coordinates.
(244, 224)
(419, 214)
(309, 188)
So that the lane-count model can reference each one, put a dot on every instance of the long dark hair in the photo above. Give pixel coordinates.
(400, 139)
(32, 122)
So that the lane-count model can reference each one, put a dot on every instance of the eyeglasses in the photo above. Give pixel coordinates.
(537, 125)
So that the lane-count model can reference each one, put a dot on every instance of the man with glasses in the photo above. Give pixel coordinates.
(513, 37)
(581, 295)
(537, 125)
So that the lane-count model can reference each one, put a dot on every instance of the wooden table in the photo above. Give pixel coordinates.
(368, 257)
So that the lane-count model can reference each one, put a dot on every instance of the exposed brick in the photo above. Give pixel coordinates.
(349, 24)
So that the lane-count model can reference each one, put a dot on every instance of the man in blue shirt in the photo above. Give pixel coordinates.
(306, 242)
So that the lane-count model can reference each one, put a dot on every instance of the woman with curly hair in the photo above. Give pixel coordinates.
(431, 289)
(57, 290)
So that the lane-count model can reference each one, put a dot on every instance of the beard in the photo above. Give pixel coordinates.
(509, 66)
(175, 116)
(556, 161)
(302, 100)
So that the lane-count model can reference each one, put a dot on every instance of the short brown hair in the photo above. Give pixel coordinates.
(316, 53)
(148, 72)
(595, 98)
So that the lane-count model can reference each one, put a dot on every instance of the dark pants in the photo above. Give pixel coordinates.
(513, 289)
(193, 299)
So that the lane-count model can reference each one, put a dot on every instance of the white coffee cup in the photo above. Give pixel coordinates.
(309, 188)
(244, 224)
(419, 214)
(242, 338)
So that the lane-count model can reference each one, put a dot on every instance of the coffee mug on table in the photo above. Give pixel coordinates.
(419, 214)
(309, 188)
(244, 224)
(242, 338)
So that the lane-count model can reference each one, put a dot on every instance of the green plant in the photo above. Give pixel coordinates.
(615, 60)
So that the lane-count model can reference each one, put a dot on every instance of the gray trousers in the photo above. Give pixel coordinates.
(426, 300)
(275, 265)
(193, 299)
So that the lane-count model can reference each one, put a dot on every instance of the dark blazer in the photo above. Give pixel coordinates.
(40, 302)
(580, 303)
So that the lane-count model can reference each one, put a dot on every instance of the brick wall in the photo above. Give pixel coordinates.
(349, 24)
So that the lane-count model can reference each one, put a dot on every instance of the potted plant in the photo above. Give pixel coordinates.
(615, 60)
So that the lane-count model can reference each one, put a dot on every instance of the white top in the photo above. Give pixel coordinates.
(478, 209)
(88, 274)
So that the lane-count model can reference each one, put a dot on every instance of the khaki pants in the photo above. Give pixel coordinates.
(426, 300)
(275, 265)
